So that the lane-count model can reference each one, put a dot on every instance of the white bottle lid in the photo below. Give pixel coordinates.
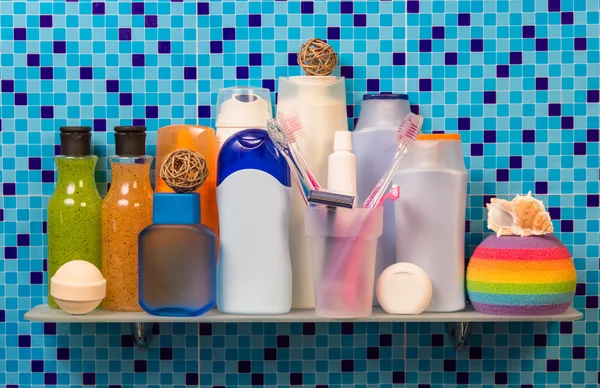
(342, 141)
(243, 108)
(310, 90)
(434, 152)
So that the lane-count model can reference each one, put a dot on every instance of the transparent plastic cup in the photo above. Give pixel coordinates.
(343, 246)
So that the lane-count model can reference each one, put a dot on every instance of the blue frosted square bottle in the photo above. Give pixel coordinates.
(177, 259)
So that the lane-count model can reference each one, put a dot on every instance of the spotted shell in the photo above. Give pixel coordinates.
(523, 216)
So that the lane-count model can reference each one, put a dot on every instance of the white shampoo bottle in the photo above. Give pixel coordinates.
(320, 105)
(254, 271)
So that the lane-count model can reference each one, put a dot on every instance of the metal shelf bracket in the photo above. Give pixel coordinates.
(142, 334)
(459, 334)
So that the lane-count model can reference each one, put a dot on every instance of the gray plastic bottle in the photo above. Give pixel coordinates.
(430, 216)
(374, 142)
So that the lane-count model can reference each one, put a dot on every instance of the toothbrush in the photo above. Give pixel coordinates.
(276, 134)
(353, 269)
(292, 129)
(407, 134)
(392, 195)
(286, 130)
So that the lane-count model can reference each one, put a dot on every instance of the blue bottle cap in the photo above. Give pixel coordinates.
(252, 149)
(179, 209)
(385, 96)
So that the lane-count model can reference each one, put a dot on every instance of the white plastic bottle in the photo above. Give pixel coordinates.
(254, 272)
(375, 142)
(320, 104)
(240, 108)
(430, 216)
(341, 177)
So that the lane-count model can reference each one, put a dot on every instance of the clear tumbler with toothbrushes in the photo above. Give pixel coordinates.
(343, 244)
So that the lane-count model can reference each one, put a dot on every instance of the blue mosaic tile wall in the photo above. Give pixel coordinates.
(518, 79)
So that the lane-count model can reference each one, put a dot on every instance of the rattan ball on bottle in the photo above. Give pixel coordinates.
(184, 171)
(317, 57)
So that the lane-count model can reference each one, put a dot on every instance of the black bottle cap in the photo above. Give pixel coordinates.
(130, 141)
(76, 141)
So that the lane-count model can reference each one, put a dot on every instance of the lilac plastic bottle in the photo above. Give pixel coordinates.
(374, 142)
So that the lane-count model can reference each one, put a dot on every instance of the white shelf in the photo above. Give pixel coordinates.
(141, 323)
(43, 313)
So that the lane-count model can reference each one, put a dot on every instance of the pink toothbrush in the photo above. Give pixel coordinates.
(392, 195)
(407, 134)
(289, 129)
(292, 128)
(353, 270)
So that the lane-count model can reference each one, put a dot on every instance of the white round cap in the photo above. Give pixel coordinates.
(243, 108)
(404, 288)
(342, 141)
(78, 287)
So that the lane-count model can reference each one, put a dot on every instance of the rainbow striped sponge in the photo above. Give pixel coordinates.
(512, 275)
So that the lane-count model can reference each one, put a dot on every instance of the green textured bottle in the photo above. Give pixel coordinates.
(74, 209)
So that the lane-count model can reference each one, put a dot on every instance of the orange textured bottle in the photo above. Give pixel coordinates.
(126, 210)
(199, 139)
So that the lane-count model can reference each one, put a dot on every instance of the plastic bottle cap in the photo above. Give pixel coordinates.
(243, 107)
(252, 149)
(75, 140)
(342, 141)
(130, 140)
(439, 136)
(176, 209)
(385, 96)
(382, 112)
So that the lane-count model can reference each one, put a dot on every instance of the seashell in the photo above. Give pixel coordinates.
(523, 216)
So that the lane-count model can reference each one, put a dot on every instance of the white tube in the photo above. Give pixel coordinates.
(341, 176)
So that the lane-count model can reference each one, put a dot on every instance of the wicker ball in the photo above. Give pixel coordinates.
(317, 57)
(184, 171)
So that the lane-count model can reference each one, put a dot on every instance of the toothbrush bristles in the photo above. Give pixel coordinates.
(275, 133)
(291, 128)
(410, 129)
(291, 125)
